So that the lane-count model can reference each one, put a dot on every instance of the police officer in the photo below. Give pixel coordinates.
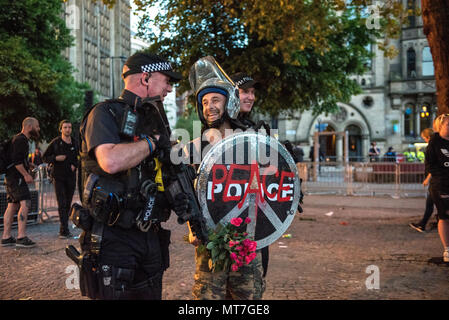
(118, 156)
(247, 93)
(62, 155)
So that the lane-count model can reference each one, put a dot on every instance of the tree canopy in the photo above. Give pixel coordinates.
(35, 79)
(303, 52)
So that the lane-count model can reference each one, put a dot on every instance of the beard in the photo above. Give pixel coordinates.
(34, 134)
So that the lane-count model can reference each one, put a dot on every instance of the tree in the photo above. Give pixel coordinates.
(35, 79)
(435, 14)
(262, 39)
(303, 52)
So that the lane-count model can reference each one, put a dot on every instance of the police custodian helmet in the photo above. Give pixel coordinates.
(207, 76)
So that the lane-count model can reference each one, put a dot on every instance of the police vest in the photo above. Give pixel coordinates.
(125, 184)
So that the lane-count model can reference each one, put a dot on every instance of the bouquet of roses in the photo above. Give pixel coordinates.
(229, 248)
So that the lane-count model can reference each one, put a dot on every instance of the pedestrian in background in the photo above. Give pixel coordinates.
(390, 155)
(62, 154)
(437, 164)
(17, 179)
(374, 152)
(426, 135)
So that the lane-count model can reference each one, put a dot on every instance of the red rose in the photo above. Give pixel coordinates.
(236, 221)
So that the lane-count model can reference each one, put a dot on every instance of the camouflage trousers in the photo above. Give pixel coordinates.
(245, 284)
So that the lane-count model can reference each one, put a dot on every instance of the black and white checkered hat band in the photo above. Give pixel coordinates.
(156, 67)
(243, 80)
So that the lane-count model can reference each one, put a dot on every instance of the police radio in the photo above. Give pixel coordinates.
(129, 123)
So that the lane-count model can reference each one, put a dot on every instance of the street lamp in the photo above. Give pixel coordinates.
(122, 58)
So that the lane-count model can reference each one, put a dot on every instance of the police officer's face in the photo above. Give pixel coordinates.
(66, 129)
(247, 97)
(213, 106)
(159, 85)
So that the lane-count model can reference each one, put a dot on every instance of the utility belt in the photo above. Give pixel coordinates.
(106, 201)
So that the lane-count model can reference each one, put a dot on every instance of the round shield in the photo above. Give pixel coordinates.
(249, 175)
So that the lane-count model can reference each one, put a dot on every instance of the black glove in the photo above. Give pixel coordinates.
(181, 204)
(163, 148)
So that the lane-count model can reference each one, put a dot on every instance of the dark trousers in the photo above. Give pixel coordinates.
(134, 262)
(428, 212)
(64, 189)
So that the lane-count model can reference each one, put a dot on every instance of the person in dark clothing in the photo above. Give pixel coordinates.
(62, 155)
(299, 153)
(119, 154)
(426, 134)
(437, 164)
(390, 155)
(374, 152)
(17, 179)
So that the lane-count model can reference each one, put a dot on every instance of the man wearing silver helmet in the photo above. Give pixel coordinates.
(218, 105)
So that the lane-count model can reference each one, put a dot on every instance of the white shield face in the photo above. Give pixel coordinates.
(249, 175)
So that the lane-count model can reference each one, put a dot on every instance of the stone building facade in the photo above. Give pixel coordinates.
(102, 43)
(398, 101)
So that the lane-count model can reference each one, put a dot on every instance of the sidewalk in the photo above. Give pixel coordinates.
(332, 246)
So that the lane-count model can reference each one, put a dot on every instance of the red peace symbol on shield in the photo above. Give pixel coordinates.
(249, 175)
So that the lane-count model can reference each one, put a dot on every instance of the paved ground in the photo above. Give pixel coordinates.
(328, 256)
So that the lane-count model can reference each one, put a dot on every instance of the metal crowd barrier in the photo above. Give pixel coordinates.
(363, 178)
(47, 199)
(43, 198)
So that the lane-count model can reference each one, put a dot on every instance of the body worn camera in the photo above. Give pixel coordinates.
(129, 123)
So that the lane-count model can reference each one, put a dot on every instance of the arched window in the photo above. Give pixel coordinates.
(354, 142)
(427, 62)
(426, 115)
(411, 63)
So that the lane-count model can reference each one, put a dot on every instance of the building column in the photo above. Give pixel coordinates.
(339, 148)
(365, 146)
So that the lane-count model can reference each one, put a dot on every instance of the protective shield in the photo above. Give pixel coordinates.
(249, 175)
(206, 72)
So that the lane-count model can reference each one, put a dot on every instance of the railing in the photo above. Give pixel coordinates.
(352, 178)
(43, 199)
(363, 178)
(47, 198)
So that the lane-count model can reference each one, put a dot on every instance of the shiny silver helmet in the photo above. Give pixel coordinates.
(205, 75)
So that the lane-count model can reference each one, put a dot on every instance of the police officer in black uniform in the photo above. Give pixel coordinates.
(120, 155)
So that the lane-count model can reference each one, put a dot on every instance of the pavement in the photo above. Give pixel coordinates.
(350, 248)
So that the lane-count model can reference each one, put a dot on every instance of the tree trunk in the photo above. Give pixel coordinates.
(435, 15)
